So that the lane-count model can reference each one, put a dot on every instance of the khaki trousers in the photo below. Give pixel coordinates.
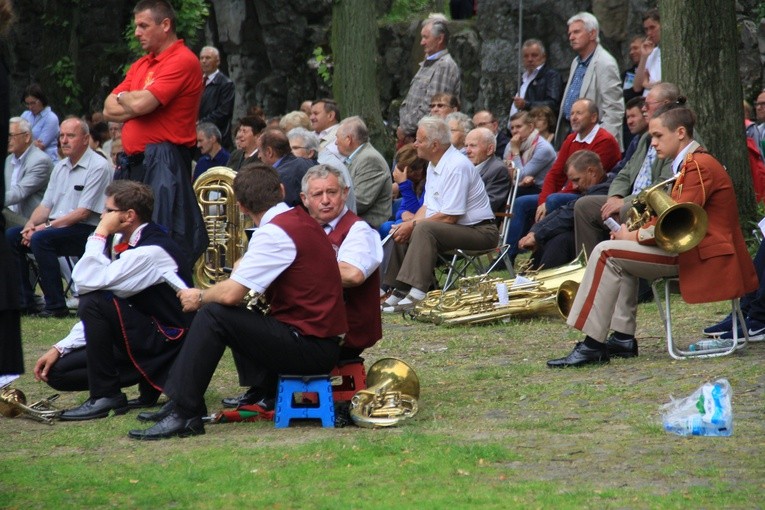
(588, 224)
(607, 296)
(412, 264)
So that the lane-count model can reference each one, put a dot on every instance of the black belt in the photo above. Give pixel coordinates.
(484, 222)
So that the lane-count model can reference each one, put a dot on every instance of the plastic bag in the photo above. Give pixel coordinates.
(706, 412)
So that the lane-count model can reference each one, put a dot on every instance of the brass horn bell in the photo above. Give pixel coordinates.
(13, 403)
(391, 395)
(679, 226)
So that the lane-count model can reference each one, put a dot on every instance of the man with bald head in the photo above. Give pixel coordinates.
(217, 105)
(480, 144)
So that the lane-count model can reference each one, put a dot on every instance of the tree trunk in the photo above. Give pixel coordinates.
(354, 82)
(699, 53)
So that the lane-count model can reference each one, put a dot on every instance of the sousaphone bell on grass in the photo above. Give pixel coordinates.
(390, 397)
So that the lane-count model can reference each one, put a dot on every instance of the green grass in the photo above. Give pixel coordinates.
(496, 429)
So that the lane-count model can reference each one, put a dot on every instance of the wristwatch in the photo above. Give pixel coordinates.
(47, 224)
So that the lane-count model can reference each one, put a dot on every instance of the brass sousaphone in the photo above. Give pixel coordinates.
(13, 403)
(390, 397)
(225, 225)
(679, 226)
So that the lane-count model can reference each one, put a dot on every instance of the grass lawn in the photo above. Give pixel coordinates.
(496, 429)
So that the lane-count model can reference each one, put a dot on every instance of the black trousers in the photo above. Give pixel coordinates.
(108, 353)
(268, 346)
(70, 373)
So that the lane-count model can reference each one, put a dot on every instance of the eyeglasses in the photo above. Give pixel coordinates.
(759, 105)
(32, 102)
(11, 135)
(109, 209)
(438, 105)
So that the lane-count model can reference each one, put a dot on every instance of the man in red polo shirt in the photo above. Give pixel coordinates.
(158, 101)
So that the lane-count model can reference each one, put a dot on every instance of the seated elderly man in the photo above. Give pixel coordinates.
(27, 170)
(66, 216)
(455, 214)
(305, 144)
(481, 144)
(369, 172)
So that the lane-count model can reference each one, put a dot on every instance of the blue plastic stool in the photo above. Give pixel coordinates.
(287, 410)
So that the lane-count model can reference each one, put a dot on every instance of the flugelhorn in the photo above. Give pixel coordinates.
(13, 403)
(679, 226)
(391, 396)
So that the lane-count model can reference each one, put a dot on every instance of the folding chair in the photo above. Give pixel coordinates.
(459, 262)
(665, 313)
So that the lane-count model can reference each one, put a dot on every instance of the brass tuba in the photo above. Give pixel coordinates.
(679, 226)
(391, 396)
(225, 225)
(476, 300)
(13, 403)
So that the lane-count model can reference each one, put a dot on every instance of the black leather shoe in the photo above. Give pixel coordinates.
(251, 396)
(172, 425)
(163, 412)
(56, 313)
(97, 408)
(622, 348)
(581, 355)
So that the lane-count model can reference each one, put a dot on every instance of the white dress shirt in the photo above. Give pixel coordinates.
(268, 254)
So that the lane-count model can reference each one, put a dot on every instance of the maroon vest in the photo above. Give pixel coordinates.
(308, 295)
(362, 303)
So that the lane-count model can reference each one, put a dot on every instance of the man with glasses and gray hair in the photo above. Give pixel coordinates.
(437, 73)
(27, 170)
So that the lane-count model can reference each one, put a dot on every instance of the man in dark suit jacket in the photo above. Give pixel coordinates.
(217, 105)
(480, 143)
(275, 151)
(541, 85)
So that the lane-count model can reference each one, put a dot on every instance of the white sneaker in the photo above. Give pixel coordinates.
(72, 303)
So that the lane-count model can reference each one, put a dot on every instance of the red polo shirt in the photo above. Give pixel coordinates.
(175, 79)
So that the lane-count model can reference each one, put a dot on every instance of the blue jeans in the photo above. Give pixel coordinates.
(47, 246)
(524, 209)
(556, 200)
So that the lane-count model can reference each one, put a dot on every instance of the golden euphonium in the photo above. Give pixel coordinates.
(390, 397)
(679, 226)
(13, 403)
(225, 225)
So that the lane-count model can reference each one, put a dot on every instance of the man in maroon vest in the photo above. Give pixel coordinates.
(290, 262)
(359, 254)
